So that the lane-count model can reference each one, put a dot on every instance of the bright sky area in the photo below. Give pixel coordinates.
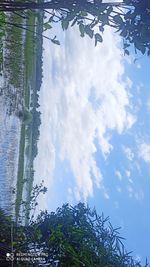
(94, 144)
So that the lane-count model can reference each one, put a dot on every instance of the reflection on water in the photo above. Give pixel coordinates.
(9, 150)
(19, 112)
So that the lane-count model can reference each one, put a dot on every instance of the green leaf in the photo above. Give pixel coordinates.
(104, 19)
(65, 24)
(124, 33)
(89, 31)
(130, 15)
(74, 22)
(47, 26)
(101, 28)
(55, 41)
(102, 8)
(117, 19)
(126, 52)
(126, 45)
(51, 18)
(109, 10)
(98, 38)
(82, 29)
(140, 47)
(71, 15)
(83, 13)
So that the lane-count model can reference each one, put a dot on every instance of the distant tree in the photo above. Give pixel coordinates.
(130, 18)
(24, 115)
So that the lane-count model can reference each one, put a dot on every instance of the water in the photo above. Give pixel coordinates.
(9, 152)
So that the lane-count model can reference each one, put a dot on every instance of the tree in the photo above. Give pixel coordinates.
(24, 115)
(74, 236)
(130, 18)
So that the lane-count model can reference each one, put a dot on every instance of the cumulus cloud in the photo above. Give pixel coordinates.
(144, 152)
(84, 99)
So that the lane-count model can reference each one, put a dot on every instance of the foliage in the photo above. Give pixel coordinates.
(2, 35)
(76, 236)
(72, 236)
(130, 18)
(29, 206)
(24, 115)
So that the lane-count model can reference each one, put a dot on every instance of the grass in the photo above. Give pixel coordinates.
(29, 50)
(29, 56)
(2, 35)
(21, 62)
(14, 43)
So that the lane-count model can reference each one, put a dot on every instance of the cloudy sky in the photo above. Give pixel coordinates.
(94, 144)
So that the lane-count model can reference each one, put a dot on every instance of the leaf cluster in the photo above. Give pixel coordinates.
(78, 236)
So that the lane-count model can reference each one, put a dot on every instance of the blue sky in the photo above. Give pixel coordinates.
(94, 144)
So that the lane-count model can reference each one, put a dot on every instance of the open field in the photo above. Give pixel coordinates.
(22, 73)
(28, 144)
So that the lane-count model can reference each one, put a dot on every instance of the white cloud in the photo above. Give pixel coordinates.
(106, 195)
(138, 66)
(148, 105)
(118, 174)
(128, 152)
(139, 195)
(128, 173)
(83, 98)
(136, 194)
(118, 188)
(144, 152)
(130, 180)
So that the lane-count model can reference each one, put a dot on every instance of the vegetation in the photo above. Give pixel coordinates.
(71, 236)
(23, 56)
(2, 35)
(130, 18)
(29, 115)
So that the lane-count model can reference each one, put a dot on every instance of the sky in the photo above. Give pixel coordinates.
(94, 141)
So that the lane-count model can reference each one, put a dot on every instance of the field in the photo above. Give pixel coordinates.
(22, 70)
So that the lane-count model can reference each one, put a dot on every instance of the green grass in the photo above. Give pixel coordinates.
(26, 130)
(2, 34)
(14, 43)
(23, 62)
(28, 68)
(29, 56)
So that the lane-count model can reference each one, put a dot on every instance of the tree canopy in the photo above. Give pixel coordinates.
(72, 236)
(130, 18)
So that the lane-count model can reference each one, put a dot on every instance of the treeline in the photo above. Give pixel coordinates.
(36, 114)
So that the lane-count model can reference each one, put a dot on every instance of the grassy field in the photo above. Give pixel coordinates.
(26, 173)
(22, 62)
(29, 56)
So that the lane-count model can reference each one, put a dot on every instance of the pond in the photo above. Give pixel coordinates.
(20, 82)
(9, 152)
